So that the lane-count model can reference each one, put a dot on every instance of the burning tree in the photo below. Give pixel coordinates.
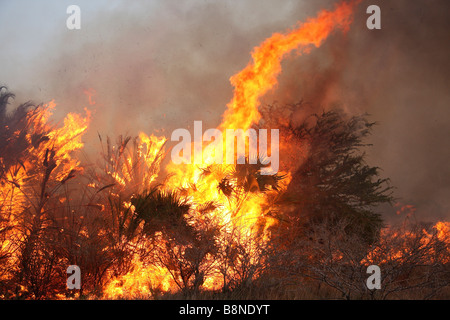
(330, 230)
(334, 182)
(36, 166)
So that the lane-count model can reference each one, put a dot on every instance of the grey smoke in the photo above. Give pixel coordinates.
(160, 65)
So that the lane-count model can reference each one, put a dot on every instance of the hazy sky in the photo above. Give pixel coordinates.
(160, 65)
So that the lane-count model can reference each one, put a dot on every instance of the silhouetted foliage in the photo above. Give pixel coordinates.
(334, 181)
(160, 211)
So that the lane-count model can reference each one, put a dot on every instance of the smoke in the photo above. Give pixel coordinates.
(400, 75)
(411, 103)
(158, 66)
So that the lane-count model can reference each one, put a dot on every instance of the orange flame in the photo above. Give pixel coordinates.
(245, 220)
(240, 220)
(53, 149)
(261, 75)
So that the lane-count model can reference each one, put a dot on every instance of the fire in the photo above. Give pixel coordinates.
(443, 229)
(404, 243)
(225, 201)
(244, 219)
(139, 166)
(218, 215)
(55, 144)
(141, 282)
(261, 74)
(48, 162)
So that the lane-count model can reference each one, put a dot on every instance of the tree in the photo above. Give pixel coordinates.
(334, 182)
(35, 167)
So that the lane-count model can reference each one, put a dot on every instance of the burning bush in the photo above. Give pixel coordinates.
(36, 168)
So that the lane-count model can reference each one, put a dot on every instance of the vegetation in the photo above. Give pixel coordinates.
(314, 236)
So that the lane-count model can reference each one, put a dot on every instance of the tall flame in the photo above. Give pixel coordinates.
(244, 221)
(261, 74)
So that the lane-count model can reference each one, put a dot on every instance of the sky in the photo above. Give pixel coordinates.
(159, 65)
